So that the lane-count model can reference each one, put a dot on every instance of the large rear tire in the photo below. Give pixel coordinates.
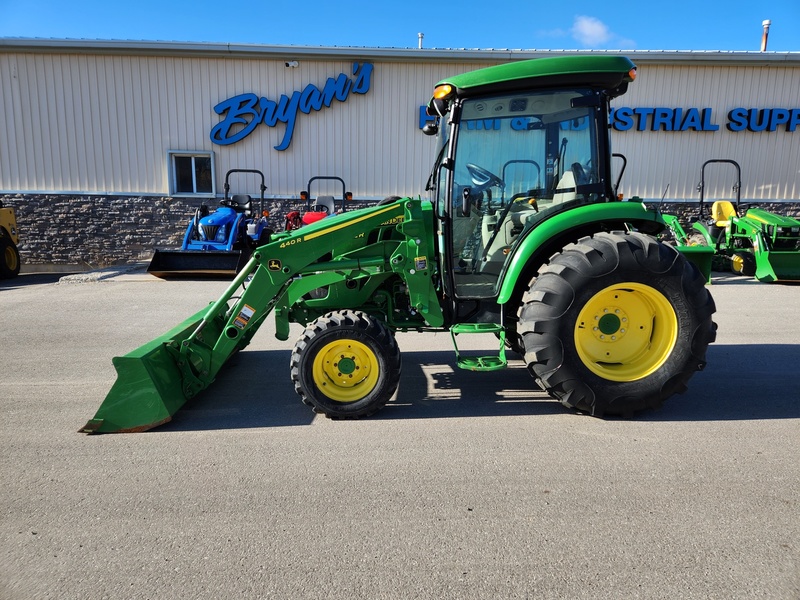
(9, 258)
(346, 365)
(616, 323)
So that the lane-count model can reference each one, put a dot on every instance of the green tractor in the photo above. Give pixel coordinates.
(747, 241)
(522, 239)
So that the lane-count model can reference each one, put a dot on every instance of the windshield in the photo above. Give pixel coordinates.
(517, 158)
(529, 141)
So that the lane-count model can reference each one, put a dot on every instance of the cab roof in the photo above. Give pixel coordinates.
(611, 73)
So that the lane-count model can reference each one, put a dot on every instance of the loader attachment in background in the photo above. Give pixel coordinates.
(183, 263)
(149, 387)
(699, 255)
(776, 265)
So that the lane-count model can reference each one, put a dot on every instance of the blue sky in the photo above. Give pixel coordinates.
(535, 24)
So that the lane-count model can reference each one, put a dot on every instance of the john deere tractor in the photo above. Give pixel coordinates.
(747, 240)
(522, 240)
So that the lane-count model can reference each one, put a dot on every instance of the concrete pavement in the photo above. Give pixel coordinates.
(466, 486)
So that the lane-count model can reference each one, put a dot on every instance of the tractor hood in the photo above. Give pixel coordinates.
(222, 216)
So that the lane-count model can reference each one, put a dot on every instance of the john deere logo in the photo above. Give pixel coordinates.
(274, 264)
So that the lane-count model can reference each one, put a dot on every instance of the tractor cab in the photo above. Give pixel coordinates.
(509, 161)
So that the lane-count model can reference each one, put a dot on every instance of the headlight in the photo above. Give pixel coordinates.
(222, 234)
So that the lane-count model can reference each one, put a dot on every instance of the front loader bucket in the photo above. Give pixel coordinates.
(188, 263)
(778, 265)
(149, 388)
(701, 257)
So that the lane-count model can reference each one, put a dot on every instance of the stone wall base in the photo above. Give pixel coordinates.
(60, 231)
(81, 232)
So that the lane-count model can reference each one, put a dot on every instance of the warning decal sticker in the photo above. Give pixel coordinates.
(244, 316)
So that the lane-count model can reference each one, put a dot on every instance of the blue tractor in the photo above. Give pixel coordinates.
(219, 242)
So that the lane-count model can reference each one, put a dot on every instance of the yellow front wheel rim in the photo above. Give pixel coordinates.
(626, 332)
(346, 370)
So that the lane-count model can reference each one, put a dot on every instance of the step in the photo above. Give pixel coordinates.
(480, 363)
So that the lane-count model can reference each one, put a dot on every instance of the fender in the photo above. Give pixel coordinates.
(561, 223)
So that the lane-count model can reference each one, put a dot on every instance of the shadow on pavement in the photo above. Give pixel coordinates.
(753, 382)
(741, 382)
(723, 278)
(28, 279)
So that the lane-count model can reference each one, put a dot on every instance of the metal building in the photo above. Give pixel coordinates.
(108, 117)
(168, 120)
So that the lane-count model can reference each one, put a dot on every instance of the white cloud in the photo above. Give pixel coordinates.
(590, 31)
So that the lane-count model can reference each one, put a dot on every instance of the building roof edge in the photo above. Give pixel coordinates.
(280, 52)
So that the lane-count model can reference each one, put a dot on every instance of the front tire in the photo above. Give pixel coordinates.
(9, 258)
(616, 323)
(346, 364)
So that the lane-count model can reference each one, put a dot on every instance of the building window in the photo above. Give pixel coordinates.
(191, 173)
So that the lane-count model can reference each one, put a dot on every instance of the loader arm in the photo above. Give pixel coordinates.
(154, 381)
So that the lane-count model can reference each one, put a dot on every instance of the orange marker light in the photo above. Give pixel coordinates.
(442, 91)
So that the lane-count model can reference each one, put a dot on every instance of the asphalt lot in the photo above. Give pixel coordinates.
(466, 486)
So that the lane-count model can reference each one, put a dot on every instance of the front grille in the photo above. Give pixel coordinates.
(210, 231)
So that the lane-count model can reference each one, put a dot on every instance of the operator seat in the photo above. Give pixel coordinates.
(323, 204)
(242, 203)
(321, 207)
(721, 212)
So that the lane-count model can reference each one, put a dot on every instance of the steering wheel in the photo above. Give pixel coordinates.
(482, 178)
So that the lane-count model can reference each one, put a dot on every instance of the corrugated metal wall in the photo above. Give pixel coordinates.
(104, 123)
(89, 123)
(770, 161)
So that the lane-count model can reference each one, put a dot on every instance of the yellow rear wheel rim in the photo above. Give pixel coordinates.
(626, 332)
(346, 370)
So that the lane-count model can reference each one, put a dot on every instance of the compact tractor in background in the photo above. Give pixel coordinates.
(9, 239)
(522, 240)
(747, 240)
(219, 242)
(320, 207)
